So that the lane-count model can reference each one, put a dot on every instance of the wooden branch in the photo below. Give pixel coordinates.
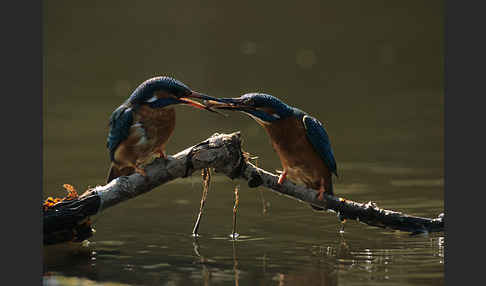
(67, 221)
(222, 152)
(367, 213)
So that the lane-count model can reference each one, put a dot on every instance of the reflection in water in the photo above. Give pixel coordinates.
(215, 272)
(310, 277)
(320, 272)
(206, 274)
(235, 264)
(314, 276)
(321, 264)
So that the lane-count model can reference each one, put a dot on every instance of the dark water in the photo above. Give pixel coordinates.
(371, 72)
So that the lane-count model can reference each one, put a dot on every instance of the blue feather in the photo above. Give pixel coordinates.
(163, 102)
(146, 89)
(122, 118)
(258, 100)
(120, 122)
(319, 139)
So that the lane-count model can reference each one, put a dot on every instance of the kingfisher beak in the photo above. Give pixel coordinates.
(186, 100)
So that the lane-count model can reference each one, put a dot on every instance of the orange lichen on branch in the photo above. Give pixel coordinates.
(50, 202)
(72, 194)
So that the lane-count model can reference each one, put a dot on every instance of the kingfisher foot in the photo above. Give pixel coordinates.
(321, 191)
(161, 154)
(140, 171)
(320, 197)
(282, 177)
(141, 164)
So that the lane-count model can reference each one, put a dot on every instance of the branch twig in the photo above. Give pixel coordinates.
(234, 234)
(206, 175)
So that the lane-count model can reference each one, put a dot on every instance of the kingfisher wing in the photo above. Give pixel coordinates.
(120, 122)
(319, 139)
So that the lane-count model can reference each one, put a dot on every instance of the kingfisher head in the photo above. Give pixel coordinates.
(264, 108)
(162, 91)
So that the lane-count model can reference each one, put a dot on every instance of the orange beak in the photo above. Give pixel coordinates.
(192, 103)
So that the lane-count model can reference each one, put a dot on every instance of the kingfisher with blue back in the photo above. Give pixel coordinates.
(142, 125)
(299, 139)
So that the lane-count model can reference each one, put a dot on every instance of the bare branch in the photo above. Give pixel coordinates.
(63, 221)
(367, 213)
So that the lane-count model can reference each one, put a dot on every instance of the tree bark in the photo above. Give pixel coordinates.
(67, 221)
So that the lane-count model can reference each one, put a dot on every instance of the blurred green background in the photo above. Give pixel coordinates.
(370, 71)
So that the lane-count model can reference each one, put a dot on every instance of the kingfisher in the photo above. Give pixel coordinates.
(142, 125)
(300, 140)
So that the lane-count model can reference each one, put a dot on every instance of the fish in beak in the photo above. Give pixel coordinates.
(206, 98)
(234, 104)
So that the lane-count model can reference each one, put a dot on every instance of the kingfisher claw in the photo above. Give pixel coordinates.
(282, 177)
(161, 154)
(140, 171)
(321, 190)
